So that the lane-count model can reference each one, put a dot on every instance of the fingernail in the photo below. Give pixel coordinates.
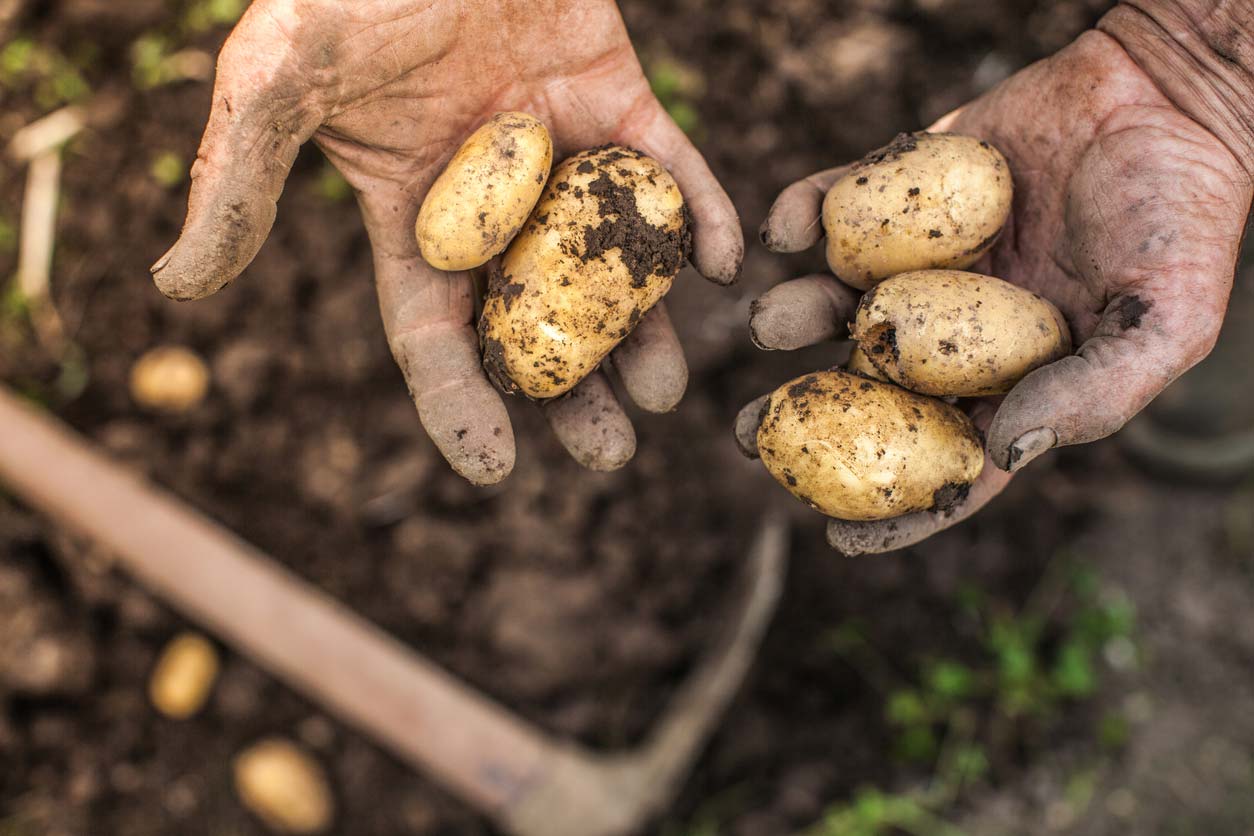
(1028, 446)
(764, 233)
(163, 261)
(746, 427)
(847, 540)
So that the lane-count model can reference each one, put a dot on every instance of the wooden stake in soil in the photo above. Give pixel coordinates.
(531, 784)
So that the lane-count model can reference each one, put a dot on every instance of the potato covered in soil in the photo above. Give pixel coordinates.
(481, 200)
(601, 248)
(923, 201)
(858, 449)
(948, 332)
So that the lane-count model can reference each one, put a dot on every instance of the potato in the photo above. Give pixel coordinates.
(482, 198)
(284, 787)
(183, 676)
(169, 379)
(923, 201)
(601, 248)
(858, 449)
(859, 363)
(948, 332)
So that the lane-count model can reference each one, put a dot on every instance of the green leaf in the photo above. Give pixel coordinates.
(331, 185)
(916, 744)
(906, 708)
(950, 680)
(8, 236)
(168, 169)
(969, 763)
(1073, 673)
(1113, 731)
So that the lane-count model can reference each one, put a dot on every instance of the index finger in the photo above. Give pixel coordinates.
(794, 222)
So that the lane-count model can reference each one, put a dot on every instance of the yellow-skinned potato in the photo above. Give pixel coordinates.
(858, 449)
(859, 363)
(284, 786)
(948, 332)
(482, 198)
(600, 249)
(184, 676)
(923, 201)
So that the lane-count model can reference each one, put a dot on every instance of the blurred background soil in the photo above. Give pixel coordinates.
(1077, 659)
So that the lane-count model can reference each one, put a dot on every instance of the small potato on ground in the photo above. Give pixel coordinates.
(949, 332)
(170, 379)
(923, 201)
(858, 449)
(183, 676)
(284, 787)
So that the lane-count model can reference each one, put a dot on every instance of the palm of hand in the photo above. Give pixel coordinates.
(1127, 215)
(389, 90)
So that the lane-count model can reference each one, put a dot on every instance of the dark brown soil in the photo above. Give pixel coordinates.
(578, 599)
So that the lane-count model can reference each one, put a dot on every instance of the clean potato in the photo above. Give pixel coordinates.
(170, 379)
(858, 449)
(184, 676)
(923, 201)
(482, 198)
(600, 249)
(948, 332)
(284, 787)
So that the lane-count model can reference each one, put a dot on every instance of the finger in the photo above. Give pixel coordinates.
(718, 244)
(257, 124)
(746, 427)
(1161, 231)
(1094, 392)
(591, 424)
(428, 316)
(876, 537)
(795, 220)
(802, 312)
(651, 363)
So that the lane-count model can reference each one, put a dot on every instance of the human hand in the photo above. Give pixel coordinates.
(389, 90)
(1128, 215)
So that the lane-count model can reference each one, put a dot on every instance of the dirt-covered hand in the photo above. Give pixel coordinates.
(389, 90)
(1128, 215)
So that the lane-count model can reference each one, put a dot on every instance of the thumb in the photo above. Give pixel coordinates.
(1140, 346)
(257, 124)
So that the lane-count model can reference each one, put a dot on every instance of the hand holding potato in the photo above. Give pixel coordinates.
(1127, 216)
(390, 91)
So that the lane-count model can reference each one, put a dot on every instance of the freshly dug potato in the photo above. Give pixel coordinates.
(480, 201)
(948, 332)
(858, 449)
(184, 676)
(601, 248)
(859, 363)
(923, 201)
(284, 787)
